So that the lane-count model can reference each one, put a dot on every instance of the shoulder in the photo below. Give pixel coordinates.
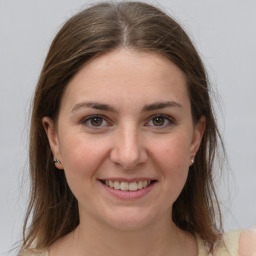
(237, 243)
(229, 245)
(233, 243)
(247, 243)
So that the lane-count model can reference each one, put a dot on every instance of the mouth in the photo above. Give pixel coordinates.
(127, 186)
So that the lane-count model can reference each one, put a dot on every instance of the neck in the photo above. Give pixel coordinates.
(159, 238)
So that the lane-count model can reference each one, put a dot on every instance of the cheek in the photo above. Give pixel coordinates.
(173, 153)
(81, 157)
(172, 159)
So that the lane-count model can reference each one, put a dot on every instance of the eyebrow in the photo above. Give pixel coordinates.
(161, 105)
(105, 107)
(93, 105)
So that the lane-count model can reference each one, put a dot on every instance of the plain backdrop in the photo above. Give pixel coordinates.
(224, 33)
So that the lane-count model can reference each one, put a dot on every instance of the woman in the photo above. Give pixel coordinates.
(122, 142)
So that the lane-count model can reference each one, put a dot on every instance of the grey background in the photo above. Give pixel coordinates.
(224, 31)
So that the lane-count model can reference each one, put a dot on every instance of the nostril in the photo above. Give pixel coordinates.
(127, 159)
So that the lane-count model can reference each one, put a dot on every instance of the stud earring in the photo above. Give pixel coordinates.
(57, 161)
(192, 160)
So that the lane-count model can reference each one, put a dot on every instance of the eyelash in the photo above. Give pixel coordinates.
(168, 121)
(90, 118)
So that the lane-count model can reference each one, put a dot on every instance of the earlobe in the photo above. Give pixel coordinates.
(51, 133)
(197, 136)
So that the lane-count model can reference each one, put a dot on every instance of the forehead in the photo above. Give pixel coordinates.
(127, 76)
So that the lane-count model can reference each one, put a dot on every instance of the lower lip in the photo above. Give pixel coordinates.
(121, 194)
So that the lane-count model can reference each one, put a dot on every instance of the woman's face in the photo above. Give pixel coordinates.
(125, 121)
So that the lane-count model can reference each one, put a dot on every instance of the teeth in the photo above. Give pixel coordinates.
(116, 185)
(126, 186)
(140, 184)
(133, 186)
(111, 183)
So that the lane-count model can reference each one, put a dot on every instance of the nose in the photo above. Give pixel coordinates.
(128, 150)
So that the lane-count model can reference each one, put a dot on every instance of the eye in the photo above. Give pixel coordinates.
(160, 121)
(95, 121)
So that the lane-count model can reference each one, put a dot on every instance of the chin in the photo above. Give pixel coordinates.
(130, 219)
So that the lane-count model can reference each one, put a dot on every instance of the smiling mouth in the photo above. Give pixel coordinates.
(127, 186)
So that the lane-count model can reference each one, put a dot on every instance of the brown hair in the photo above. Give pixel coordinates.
(93, 32)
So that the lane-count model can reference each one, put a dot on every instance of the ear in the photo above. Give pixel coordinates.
(51, 133)
(198, 133)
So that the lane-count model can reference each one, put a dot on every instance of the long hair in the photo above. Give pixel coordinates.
(53, 209)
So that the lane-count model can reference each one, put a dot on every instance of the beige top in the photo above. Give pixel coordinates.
(233, 244)
(228, 247)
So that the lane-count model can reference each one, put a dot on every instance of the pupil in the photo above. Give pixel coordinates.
(96, 121)
(158, 121)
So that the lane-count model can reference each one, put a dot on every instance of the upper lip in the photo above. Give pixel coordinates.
(129, 180)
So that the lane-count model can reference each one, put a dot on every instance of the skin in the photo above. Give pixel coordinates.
(247, 243)
(130, 141)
